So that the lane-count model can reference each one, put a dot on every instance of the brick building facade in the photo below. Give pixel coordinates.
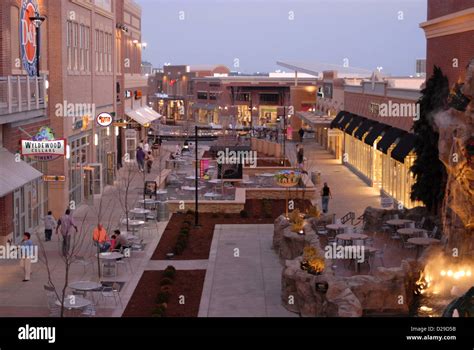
(243, 100)
(449, 31)
(23, 111)
(89, 63)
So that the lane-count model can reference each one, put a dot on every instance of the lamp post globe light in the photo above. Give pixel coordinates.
(37, 21)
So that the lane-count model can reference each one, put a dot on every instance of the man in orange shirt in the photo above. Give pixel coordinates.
(100, 238)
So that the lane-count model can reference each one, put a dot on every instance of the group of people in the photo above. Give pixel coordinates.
(144, 156)
(116, 242)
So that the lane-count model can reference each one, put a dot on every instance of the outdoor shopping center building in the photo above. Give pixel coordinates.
(23, 111)
(365, 121)
(90, 59)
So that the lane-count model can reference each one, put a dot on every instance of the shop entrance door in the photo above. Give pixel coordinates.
(87, 184)
(130, 145)
(95, 178)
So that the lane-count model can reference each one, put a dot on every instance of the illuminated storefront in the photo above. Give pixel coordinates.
(205, 113)
(244, 116)
(380, 154)
(268, 116)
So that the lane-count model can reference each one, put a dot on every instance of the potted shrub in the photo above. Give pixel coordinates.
(159, 310)
(162, 297)
(169, 272)
(166, 281)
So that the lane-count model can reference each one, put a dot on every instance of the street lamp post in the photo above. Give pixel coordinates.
(284, 134)
(196, 197)
(37, 21)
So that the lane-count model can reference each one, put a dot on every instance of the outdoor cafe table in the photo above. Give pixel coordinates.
(367, 251)
(147, 202)
(409, 231)
(110, 256)
(191, 188)
(140, 211)
(351, 236)
(336, 227)
(421, 242)
(399, 222)
(130, 237)
(85, 286)
(74, 302)
(133, 223)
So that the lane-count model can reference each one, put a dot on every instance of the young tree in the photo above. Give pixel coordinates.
(428, 170)
(75, 249)
(126, 176)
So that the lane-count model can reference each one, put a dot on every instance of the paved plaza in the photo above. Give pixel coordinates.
(247, 285)
(244, 274)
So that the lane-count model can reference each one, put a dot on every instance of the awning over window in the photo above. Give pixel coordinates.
(314, 120)
(389, 138)
(366, 125)
(143, 115)
(377, 130)
(404, 146)
(14, 174)
(345, 120)
(336, 120)
(355, 122)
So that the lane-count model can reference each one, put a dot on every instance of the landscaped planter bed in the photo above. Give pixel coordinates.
(186, 283)
(200, 239)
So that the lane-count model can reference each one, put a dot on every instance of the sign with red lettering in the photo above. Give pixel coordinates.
(104, 119)
(29, 8)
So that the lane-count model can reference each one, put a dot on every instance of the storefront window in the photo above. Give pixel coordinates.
(79, 157)
(267, 115)
(243, 115)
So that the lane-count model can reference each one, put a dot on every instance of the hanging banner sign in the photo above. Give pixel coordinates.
(29, 8)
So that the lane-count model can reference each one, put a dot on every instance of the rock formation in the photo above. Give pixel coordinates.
(280, 224)
(387, 292)
(456, 130)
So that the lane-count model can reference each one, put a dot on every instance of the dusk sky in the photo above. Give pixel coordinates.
(260, 32)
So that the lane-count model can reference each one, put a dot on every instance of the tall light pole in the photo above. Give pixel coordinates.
(37, 21)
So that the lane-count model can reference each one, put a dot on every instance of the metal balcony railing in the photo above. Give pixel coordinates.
(22, 93)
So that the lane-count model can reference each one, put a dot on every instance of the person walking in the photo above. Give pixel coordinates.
(149, 161)
(26, 247)
(65, 223)
(146, 147)
(325, 195)
(49, 226)
(140, 159)
(301, 133)
(300, 156)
